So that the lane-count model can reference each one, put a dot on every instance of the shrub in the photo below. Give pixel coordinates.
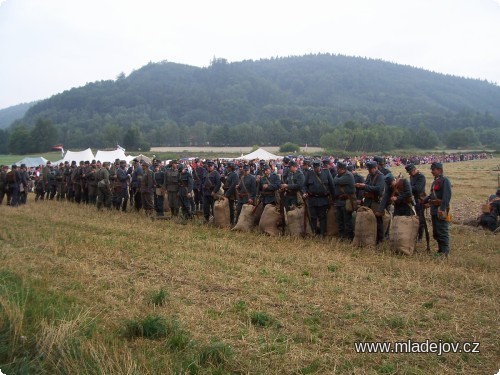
(289, 147)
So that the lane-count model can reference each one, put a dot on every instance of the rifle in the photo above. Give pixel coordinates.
(421, 216)
(306, 216)
(281, 221)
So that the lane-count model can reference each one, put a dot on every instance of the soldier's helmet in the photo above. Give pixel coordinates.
(388, 178)
(409, 167)
(371, 164)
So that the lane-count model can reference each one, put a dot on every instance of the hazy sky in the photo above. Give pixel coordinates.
(48, 46)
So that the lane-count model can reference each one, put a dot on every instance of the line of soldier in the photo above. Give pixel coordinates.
(318, 184)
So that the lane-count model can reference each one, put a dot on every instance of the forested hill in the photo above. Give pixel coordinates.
(295, 99)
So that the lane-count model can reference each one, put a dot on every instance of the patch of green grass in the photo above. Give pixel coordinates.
(158, 298)
(151, 327)
(311, 368)
(239, 306)
(214, 357)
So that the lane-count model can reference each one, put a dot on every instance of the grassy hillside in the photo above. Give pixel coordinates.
(108, 292)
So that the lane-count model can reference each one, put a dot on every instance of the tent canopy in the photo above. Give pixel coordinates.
(78, 156)
(32, 162)
(260, 154)
(110, 156)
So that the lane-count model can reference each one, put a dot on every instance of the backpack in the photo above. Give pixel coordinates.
(11, 177)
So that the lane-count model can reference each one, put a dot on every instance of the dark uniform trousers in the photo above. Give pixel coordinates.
(440, 234)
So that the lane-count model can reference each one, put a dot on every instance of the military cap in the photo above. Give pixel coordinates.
(66, 162)
(93, 161)
(230, 165)
(23, 165)
(378, 159)
(246, 167)
(341, 165)
(292, 163)
(135, 160)
(436, 165)
(388, 178)
(81, 162)
(316, 163)
(123, 162)
(351, 168)
(117, 161)
(286, 159)
(265, 167)
(174, 161)
(105, 164)
(73, 162)
(61, 164)
(307, 162)
(13, 166)
(262, 161)
(209, 162)
(371, 164)
(87, 162)
(409, 167)
(326, 160)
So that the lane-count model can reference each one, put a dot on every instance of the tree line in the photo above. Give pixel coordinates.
(321, 100)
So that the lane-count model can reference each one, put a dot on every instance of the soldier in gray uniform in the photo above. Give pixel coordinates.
(23, 187)
(136, 172)
(318, 190)
(92, 182)
(381, 165)
(159, 179)
(121, 187)
(418, 182)
(76, 179)
(103, 187)
(68, 173)
(185, 190)
(439, 199)
(172, 187)
(373, 187)
(293, 185)
(246, 189)
(211, 183)
(60, 183)
(229, 188)
(268, 184)
(398, 193)
(358, 179)
(344, 191)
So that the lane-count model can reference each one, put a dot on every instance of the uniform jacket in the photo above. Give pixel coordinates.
(230, 185)
(440, 189)
(319, 187)
(267, 195)
(374, 185)
(344, 188)
(211, 182)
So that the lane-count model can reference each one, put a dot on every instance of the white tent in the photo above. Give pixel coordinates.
(260, 154)
(110, 156)
(32, 162)
(78, 156)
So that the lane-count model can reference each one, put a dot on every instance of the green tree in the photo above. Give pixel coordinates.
(20, 141)
(43, 135)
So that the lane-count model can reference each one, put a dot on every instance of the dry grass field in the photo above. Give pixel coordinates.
(87, 292)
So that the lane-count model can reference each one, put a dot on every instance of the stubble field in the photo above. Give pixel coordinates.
(86, 292)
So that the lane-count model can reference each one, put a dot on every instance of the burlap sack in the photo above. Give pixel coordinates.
(403, 234)
(221, 213)
(166, 207)
(245, 220)
(295, 219)
(269, 220)
(365, 232)
(332, 228)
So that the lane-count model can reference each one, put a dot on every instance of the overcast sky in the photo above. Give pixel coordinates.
(48, 46)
